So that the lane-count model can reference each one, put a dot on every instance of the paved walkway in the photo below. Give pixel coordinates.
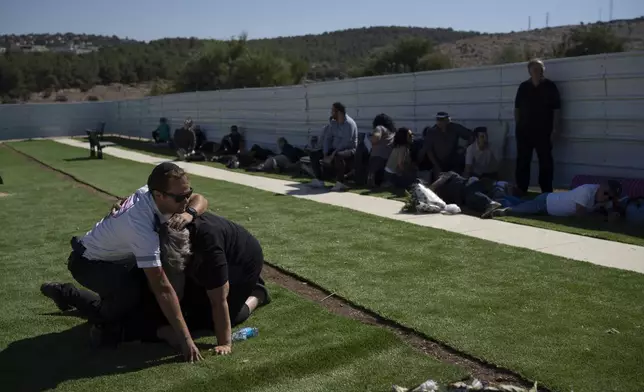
(592, 250)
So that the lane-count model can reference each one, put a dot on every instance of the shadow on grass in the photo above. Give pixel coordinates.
(43, 362)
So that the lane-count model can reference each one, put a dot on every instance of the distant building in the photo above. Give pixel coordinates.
(76, 49)
(33, 48)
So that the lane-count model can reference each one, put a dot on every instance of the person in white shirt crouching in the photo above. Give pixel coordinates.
(105, 259)
(581, 201)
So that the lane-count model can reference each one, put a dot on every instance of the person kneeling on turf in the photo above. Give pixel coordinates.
(220, 285)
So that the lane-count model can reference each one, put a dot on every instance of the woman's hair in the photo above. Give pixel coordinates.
(175, 248)
(282, 140)
(401, 138)
(379, 131)
(384, 121)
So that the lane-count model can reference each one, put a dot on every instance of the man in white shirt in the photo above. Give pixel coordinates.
(581, 201)
(104, 259)
(480, 160)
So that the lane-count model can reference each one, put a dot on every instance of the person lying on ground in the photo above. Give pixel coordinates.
(221, 263)
(381, 147)
(470, 193)
(440, 145)
(400, 172)
(283, 161)
(338, 149)
(480, 160)
(103, 260)
(583, 202)
(162, 133)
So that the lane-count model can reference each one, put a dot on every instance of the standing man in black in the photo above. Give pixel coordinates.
(537, 108)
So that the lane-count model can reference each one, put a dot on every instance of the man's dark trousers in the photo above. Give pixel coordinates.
(539, 140)
(116, 287)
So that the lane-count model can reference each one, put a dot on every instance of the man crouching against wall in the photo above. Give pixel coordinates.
(105, 259)
(214, 266)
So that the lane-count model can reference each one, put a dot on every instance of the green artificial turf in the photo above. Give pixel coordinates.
(543, 316)
(301, 346)
(616, 231)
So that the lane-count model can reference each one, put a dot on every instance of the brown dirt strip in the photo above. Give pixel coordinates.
(475, 367)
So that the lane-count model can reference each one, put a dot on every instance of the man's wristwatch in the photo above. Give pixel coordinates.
(192, 212)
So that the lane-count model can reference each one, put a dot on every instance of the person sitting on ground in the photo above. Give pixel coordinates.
(162, 133)
(287, 157)
(338, 150)
(480, 160)
(200, 137)
(185, 140)
(440, 145)
(384, 120)
(313, 148)
(400, 171)
(582, 201)
(453, 188)
(105, 259)
(381, 146)
(231, 143)
(217, 264)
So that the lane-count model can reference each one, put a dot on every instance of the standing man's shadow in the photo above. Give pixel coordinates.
(43, 362)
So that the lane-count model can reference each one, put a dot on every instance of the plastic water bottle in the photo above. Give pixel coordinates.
(244, 334)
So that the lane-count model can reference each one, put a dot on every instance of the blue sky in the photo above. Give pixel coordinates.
(152, 19)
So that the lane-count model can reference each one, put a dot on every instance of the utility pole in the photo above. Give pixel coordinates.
(600, 14)
(547, 19)
(610, 11)
(529, 23)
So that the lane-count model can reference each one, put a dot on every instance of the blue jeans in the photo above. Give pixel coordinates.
(536, 206)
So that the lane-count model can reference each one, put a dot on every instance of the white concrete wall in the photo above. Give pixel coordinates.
(603, 110)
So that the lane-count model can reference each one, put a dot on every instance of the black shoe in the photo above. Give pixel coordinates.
(489, 211)
(264, 296)
(105, 335)
(54, 291)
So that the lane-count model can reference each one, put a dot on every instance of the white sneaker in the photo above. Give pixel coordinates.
(339, 187)
(316, 183)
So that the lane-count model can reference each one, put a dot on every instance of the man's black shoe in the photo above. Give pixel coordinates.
(264, 296)
(54, 291)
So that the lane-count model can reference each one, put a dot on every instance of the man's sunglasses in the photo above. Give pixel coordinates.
(179, 198)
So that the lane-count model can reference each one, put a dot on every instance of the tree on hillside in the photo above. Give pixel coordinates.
(408, 55)
(232, 64)
(588, 40)
(11, 79)
(434, 62)
(513, 54)
(207, 70)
